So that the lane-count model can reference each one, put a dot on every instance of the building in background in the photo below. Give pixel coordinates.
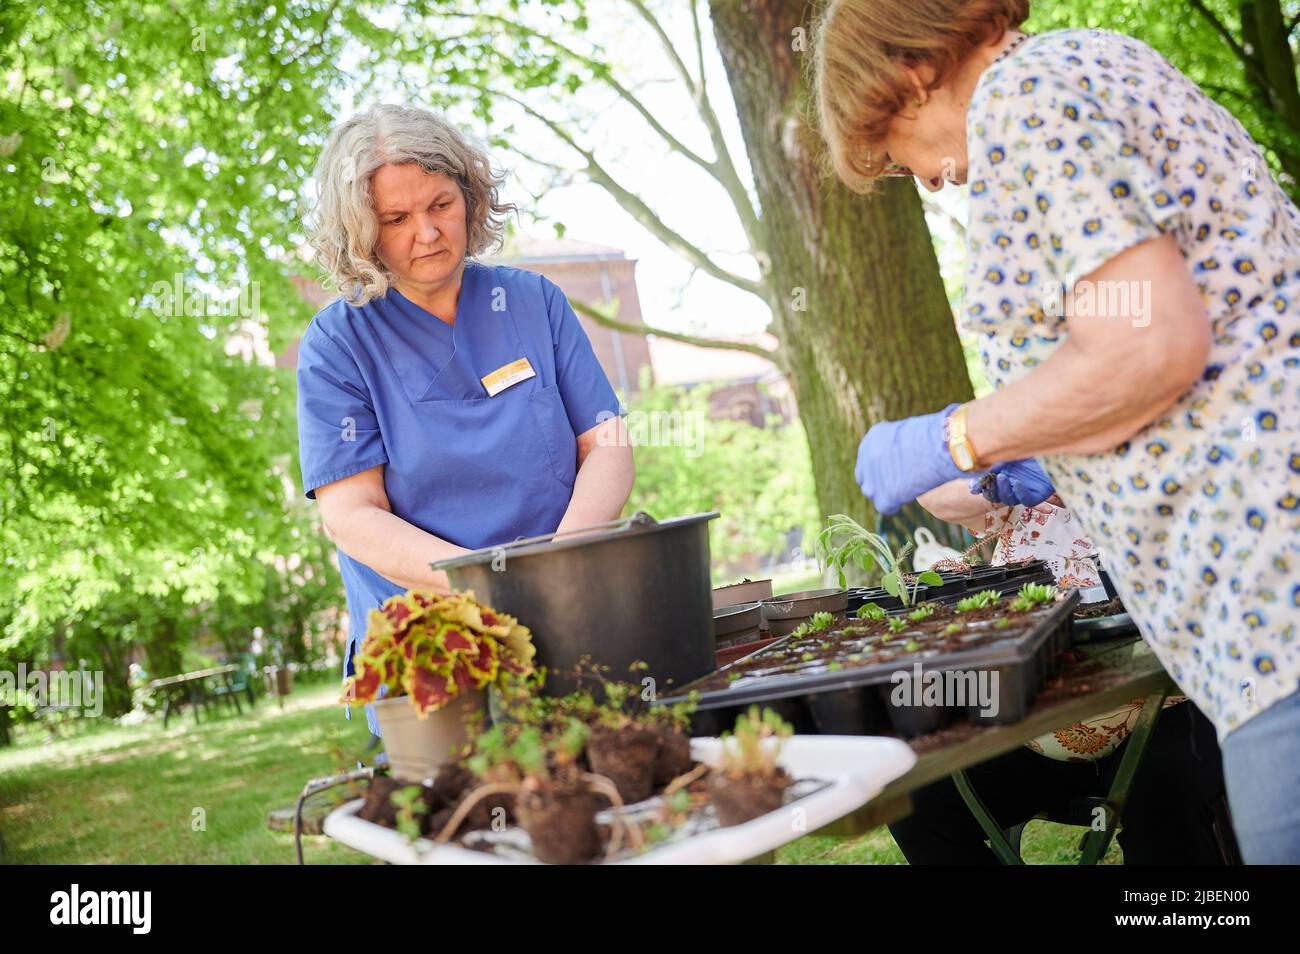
(597, 275)
(745, 386)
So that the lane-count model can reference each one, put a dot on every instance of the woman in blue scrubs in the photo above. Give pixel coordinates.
(444, 405)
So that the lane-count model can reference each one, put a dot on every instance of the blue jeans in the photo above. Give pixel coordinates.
(1261, 764)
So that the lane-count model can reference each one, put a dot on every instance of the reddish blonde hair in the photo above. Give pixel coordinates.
(859, 50)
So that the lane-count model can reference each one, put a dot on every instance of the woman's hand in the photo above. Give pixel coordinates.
(1020, 482)
(900, 460)
(1113, 375)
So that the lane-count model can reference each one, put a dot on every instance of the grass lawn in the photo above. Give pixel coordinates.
(796, 581)
(128, 795)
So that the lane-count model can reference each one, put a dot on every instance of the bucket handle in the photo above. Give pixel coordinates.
(639, 519)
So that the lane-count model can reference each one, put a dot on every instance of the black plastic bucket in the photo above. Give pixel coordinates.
(633, 590)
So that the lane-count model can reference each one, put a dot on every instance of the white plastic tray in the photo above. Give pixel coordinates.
(857, 768)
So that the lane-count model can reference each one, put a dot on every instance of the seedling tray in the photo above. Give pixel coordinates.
(1007, 580)
(1101, 628)
(856, 699)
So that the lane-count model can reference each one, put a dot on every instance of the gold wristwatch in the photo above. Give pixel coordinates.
(959, 445)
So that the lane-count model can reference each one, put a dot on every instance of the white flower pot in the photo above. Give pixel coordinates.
(417, 747)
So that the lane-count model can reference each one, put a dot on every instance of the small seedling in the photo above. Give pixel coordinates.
(821, 621)
(952, 629)
(920, 613)
(1032, 595)
(409, 805)
(980, 600)
(1003, 623)
(656, 832)
(871, 611)
(818, 623)
(912, 645)
(897, 625)
(745, 750)
(845, 542)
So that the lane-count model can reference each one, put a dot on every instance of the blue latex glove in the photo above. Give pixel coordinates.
(900, 460)
(1020, 482)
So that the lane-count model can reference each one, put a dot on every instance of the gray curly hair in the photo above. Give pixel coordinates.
(342, 225)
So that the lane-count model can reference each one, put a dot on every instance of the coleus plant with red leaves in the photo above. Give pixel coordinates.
(432, 648)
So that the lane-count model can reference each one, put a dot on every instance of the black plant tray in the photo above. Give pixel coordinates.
(956, 586)
(856, 700)
(1101, 628)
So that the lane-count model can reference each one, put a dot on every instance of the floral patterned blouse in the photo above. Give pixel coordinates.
(1053, 536)
(1083, 143)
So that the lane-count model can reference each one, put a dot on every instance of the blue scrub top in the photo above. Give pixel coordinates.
(389, 383)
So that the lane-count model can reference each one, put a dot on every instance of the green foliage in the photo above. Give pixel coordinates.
(980, 600)
(410, 804)
(845, 543)
(1193, 44)
(514, 751)
(897, 625)
(147, 464)
(921, 612)
(758, 479)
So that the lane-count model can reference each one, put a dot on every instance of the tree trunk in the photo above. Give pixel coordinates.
(115, 688)
(163, 650)
(1265, 36)
(854, 285)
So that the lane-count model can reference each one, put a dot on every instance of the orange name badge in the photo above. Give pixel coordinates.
(506, 375)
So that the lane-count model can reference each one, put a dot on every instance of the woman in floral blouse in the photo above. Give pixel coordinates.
(1173, 815)
(1133, 274)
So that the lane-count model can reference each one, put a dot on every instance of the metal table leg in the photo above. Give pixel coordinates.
(1096, 842)
(997, 839)
(230, 692)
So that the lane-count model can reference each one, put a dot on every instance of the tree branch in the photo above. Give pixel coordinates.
(726, 168)
(605, 76)
(1252, 65)
(605, 316)
(637, 208)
